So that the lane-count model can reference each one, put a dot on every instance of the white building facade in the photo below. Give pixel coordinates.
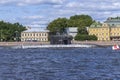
(72, 31)
(34, 35)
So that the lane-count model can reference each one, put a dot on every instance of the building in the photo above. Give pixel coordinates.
(113, 21)
(100, 30)
(106, 31)
(115, 33)
(114, 25)
(72, 31)
(35, 35)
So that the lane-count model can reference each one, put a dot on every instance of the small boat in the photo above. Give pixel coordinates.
(115, 47)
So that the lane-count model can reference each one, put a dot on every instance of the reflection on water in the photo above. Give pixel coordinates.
(59, 64)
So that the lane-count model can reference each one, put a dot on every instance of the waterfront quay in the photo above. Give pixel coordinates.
(99, 43)
(22, 43)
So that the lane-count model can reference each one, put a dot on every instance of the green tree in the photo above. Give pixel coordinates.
(83, 37)
(7, 30)
(81, 21)
(58, 25)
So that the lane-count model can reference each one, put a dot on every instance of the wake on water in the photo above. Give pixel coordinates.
(53, 46)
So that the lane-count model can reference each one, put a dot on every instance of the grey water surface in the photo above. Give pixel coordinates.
(60, 64)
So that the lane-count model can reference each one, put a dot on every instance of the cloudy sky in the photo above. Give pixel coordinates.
(38, 13)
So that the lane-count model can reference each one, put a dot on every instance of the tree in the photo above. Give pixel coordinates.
(83, 37)
(80, 21)
(58, 25)
(7, 30)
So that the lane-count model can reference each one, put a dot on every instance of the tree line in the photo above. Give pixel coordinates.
(80, 21)
(10, 32)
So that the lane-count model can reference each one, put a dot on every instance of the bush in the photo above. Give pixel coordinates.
(83, 37)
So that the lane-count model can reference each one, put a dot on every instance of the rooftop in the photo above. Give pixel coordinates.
(113, 19)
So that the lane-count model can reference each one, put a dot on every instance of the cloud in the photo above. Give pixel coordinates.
(94, 5)
(33, 17)
(6, 1)
(34, 21)
(31, 25)
(42, 22)
(93, 8)
(36, 12)
(74, 5)
(31, 2)
(36, 25)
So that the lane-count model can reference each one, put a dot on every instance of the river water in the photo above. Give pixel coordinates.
(60, 64)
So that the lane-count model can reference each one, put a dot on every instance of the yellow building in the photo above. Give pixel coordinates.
(35, 35)
(115, 33)
(104, 32)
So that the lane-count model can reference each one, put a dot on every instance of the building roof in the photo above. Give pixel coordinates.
(96, 24)
(36, 30)
(113, 21)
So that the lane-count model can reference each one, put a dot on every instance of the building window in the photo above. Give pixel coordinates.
(36, 34)
(45, 34)
(114, 33)
(112, 24)
(31, 34)
(41, 39)
(42, 34)
(102, 38)
(39, 34)
(22, 34)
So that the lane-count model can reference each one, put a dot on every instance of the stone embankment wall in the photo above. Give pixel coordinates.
(22, 43)
(100, 43)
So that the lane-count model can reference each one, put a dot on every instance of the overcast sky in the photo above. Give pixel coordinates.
(37, 13)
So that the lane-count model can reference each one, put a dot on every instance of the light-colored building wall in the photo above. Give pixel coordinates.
(72, 31)
(105, 32)
(101, 33)
(115, 31)
(34, 35)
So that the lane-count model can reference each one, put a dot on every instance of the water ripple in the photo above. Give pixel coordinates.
(60, 64)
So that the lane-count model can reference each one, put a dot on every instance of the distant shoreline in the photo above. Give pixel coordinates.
(98, 43)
